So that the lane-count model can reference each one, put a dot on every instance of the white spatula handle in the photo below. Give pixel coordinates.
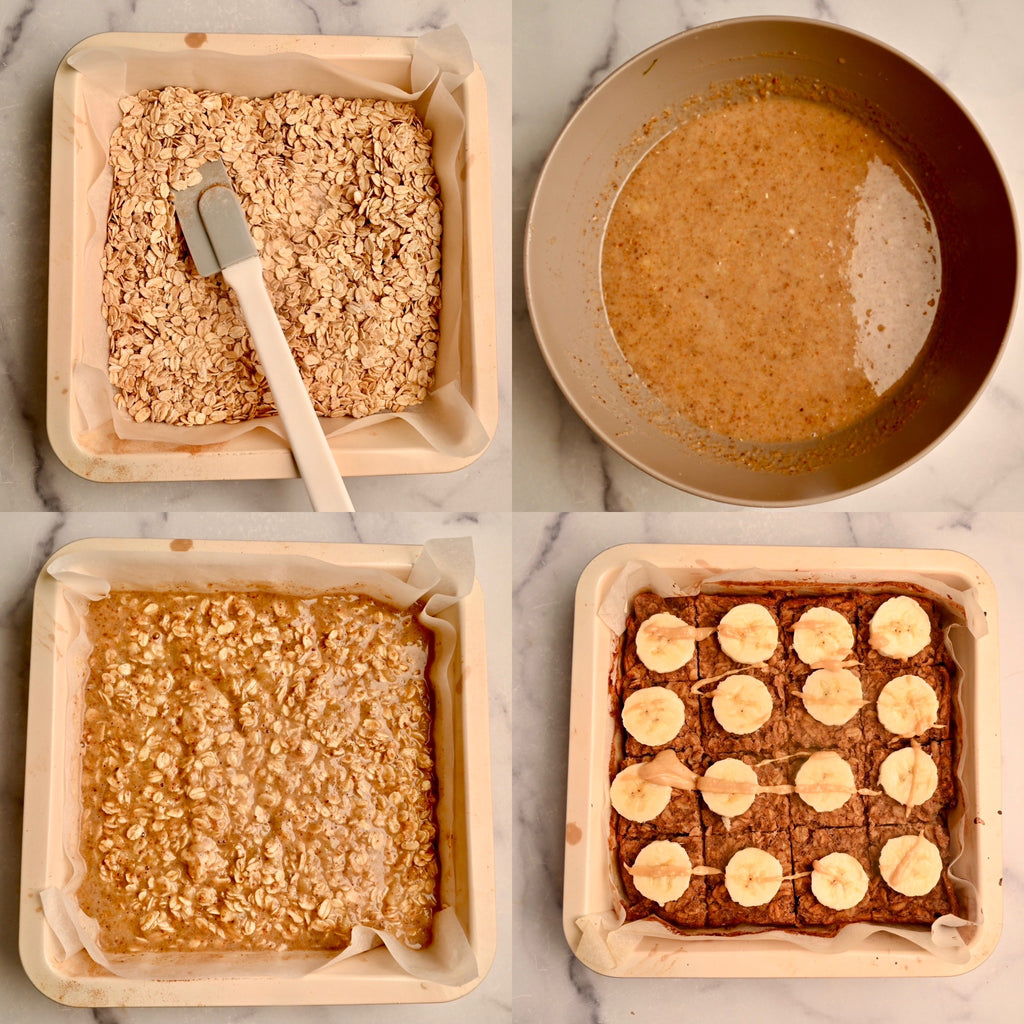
(305, 435)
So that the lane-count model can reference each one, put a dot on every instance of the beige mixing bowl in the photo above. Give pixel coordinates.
(624, 117)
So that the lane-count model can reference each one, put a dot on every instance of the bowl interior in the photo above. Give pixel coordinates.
(623, 119)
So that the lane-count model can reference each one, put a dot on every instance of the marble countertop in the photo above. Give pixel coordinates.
(540, 504)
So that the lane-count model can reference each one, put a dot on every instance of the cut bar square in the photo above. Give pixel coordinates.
(876, 679)
(867, 605)
(690, 910)
(712, 660)
(851, 814)
(811, 844)
(894, 906)
(723, 911)
(681, 816)
(884, 810)
(770, 812)
(771, 738)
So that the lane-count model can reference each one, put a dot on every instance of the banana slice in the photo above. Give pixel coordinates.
(653, 715)
(821, 636)
(662, 871)
(664, 642)
(900, 628)
(748, 633)
(753, 877)
(912, 865)
(742, 704)
(729, 787)
(908, 706)
(825, 781)
(637, 799)
(909, 775)
(839, 881)
(832, 696)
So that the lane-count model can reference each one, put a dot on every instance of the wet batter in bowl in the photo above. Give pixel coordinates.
(770, 270)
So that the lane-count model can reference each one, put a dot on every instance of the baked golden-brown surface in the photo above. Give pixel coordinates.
(823, 773)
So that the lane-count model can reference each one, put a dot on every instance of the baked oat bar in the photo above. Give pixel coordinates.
(867, 606)
(895, 906)
(723, 910)
(883, 809)
(769, 812)
(811, 843)
(807, 785)
(681, 816)
(690, 909)
(936, 677)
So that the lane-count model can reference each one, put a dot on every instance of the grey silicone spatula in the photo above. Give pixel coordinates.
(219, 240)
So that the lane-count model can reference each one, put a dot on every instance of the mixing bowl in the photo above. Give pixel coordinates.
(637, 106)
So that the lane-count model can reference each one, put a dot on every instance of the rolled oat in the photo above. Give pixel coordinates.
(257, 773)
(344, 205)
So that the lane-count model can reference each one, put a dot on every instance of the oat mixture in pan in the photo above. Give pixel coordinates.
(786, 761)
(257, 773)
(344, 206)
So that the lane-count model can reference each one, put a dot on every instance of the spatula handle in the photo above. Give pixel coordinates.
(305, 435)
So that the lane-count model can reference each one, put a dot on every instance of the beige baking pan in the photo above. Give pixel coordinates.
(244, 64)
(466, 838)
(587, 884)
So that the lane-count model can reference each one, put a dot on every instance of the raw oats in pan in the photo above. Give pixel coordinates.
(345, 208)
(257, 773)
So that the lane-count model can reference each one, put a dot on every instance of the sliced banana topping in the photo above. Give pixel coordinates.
(753, 877)
(741, 704)
(900, 628)
(748, 633)
(912, 865)
(637, 799)
(729, 787)
(909, 775)
(839, 881)
(825, 781)
(822, 637)
(653, 715)
(665, 642)
(908, 706)
(832, 696)
(662, 871)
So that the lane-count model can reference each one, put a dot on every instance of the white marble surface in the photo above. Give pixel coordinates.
(540, 504)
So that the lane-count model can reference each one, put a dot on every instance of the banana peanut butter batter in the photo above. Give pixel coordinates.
(770, 269)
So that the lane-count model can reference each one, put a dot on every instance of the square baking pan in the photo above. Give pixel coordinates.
(248, 64)
(588, 890)
(465, 840)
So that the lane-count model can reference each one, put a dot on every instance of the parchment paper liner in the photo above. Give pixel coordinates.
(608, 941)
(440, 577)
(441, 60)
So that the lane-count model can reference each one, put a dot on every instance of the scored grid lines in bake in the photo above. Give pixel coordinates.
(864, 816)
